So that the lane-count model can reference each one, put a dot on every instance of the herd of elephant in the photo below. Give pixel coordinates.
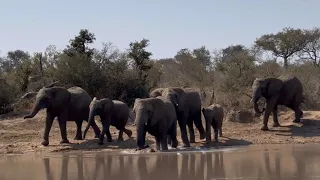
(159, 113)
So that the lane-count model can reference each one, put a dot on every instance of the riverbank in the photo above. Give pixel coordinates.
(19, 136)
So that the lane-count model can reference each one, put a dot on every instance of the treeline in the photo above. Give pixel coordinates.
(223, 76)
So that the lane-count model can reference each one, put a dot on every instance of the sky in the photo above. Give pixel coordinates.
(170, 25)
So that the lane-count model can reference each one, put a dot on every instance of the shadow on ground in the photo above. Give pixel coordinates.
(306, 128)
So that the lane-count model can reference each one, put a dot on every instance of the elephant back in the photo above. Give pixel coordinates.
(79, 98)
(120, 110)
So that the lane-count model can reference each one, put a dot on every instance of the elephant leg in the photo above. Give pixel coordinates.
(128, 132)
(172, 138)
(120, 136)
(215, 129)
(208, 131)
(198, 123)
(220, 129)
(192, 138)
(275, 117)
(164, 142)
(101, 136)
(184, 135)
(157, 143)
(62, 118)
(78, 135)
(95, 129)
(298, 114)
(269, 108)
(169, 139)
(106, 125)
(49, 120)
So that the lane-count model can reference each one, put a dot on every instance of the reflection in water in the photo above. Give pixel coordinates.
(259, 163)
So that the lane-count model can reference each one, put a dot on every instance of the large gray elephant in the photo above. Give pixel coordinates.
(111, 112)
(213, 115)
(187, 103)
(285, 90)
(156, 116)
(68, 105)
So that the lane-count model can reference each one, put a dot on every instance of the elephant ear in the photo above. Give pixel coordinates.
(156, 111)
(273, 86)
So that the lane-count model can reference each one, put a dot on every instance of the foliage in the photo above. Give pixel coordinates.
(283, 44)
(223, 76)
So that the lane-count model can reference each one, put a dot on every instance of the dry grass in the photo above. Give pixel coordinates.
(24, 136)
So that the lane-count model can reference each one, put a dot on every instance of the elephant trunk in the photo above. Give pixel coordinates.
(141, 131)
(36, 108)
(90, 119)
(255, 98)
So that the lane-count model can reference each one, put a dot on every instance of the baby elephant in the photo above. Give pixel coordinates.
(156, 116)
(111, 112)
(213, 115)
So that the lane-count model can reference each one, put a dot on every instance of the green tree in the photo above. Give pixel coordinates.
(202, 55)
(141, 58)
(79, 45)
(284, 44)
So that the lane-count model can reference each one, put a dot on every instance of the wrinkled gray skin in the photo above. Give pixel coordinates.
(68, 105)
(213, 115)
(285, 90)
(111, 112)
(187, 103)
(156, 116)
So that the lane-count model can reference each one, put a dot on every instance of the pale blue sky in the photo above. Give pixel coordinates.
(170, 25)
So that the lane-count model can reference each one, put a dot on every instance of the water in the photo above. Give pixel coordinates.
(250, 162)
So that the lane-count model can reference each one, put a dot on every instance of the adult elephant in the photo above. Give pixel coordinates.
(68, 105)
(285, 90)
(111, 112)
(187, 103)
(158, 117)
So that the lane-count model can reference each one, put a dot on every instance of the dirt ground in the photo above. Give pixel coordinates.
(19, 136)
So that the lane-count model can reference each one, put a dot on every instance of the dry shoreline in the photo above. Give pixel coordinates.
(20, 136)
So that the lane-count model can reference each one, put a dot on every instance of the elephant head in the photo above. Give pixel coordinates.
(50, 98)
(156, 92)
(266, 88)
(147, 111)
(102, 108)
(175, 98)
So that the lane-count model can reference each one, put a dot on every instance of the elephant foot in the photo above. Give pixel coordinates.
(120, 139)
(45, 142)
(129, 133)
(202, 136)
(142, 147)
(296, 120)
(174, 144)
(100, 142)
(186, 145)
(64, 141)
(264, 128)
(77, 138)
(276, 125)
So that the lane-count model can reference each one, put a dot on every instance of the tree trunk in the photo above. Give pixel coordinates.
(285, 62)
